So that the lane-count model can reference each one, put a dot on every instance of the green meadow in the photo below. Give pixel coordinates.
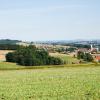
(69, 59)
(73, 82)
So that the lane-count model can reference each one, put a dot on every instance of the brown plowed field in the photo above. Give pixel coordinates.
(3, 53)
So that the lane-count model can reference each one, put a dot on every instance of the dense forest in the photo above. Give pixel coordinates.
(9, 47)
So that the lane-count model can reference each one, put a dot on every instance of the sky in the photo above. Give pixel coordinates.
(36, 20)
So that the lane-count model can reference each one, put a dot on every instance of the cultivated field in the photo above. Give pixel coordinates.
(3, 53)
(69, 83)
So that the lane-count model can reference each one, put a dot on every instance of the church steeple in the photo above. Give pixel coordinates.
(91, 47)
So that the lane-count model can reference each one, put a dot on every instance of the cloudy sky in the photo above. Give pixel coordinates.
(49, 19)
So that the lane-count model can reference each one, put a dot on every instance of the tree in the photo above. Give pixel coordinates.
(80, 55)
(85, 56)
(10, 57)
(71, 49)
(31, 56)
(88, 57)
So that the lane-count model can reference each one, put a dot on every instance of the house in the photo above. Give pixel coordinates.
(96, 57)
(84, 50)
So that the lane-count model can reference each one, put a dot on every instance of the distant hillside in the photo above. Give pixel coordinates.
(8, 41)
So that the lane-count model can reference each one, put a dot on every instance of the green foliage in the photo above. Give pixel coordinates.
(31, 56)
(71, 49)
(85, 56)
(79, 45)
(9, 47)
(10, 57)
(88, 57)
(60, 50)
(80, 55)
(8, 41)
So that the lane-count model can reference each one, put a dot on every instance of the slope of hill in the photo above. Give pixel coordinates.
(8, 41)
(71, 83)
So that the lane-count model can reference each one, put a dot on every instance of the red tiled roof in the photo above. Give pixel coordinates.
(98, 57)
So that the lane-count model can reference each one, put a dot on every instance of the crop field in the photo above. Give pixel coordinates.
(67, 83)
(3, 53)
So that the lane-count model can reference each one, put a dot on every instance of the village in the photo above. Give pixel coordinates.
(56, 49)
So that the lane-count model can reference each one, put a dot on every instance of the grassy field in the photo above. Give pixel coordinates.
(69, 59)
(63, 82)
(67, 83)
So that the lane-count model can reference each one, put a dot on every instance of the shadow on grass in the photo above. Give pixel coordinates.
(14, 66)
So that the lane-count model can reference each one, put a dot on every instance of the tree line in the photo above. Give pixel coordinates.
(9, 47)
(32, 56)
(8, 41)
(87, 46)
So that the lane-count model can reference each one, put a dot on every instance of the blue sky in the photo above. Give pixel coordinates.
(49, 19)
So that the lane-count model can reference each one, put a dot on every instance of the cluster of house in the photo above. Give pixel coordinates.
(50, 47)
(93, 51)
